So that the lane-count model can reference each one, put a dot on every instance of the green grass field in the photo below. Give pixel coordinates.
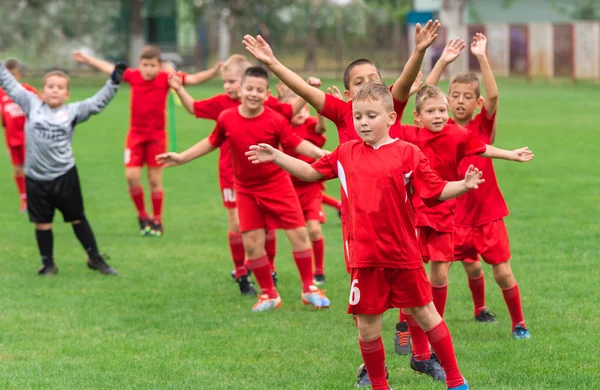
(174, 319)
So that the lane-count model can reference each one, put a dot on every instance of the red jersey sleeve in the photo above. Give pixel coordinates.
(284, 109)
(327, 165)
(287, 137)
(487, 124)
(409, 133)
(399, 107)
(473, 145)
(333, 109)
(208, 108)
(426, 181)
(163, 79)
(128, 74)
(218, 136)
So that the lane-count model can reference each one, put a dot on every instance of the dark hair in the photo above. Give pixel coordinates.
(150, 52)
(353, 64)
(12, 64)
(256, 71)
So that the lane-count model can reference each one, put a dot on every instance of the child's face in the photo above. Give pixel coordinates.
(372, 121)
(463, 101)
(149, 68)
(253, 92)
(433, 114)
(231, 83)
(360, 75)
(300, 117)
(56, 91)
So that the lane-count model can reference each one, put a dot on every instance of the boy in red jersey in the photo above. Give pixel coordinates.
(310, 195)
(13, 121)
(479, 226)
(146, 137)
(378, 174)
(265, 197)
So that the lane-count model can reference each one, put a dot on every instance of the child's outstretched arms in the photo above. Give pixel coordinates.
(94, 105)
(472, 180)
(16, 91)
(203, 76)
(172, 159)
(103, 66)
(450, 53)
(264, 153)
(187, 100)
(518, 155)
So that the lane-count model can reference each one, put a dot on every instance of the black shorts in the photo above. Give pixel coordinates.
(62, 193)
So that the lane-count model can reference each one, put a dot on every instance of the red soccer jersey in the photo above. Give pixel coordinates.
(306, 131)
(269, 127)
(476, 208)
(445, 150)
(380, 222)
(13, 118)
(148, 102)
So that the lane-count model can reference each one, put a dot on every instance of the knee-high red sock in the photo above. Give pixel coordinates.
(332, 202)
(477, 287)
(20, 180)
(137, 196)
(512, 297)
(271, 247)
(401, 316)
(236, 245)
(157, 204)
(303, 261)
(373, 355)
(418, 338)
(440, 295)
(262, 273)
(441, 343)
(318, 247)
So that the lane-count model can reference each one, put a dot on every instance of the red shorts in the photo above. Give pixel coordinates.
(17, 154)
(434, 245)
(490, 241)
(269, 210)
(227, 191)
(375, 290)
(142, 150)
(311, 200)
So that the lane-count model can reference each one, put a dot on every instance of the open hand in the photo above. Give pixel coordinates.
(523, 154)
(479, 45)
(414, 88)
(79, 57)
(473, 178)
(260, 49)
(261, 153)
(169, 159)
(452, 50)
(216, 68)
(335, 92)
(175, 81)
(425, 36)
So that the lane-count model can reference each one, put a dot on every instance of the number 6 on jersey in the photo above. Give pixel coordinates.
(354, 293)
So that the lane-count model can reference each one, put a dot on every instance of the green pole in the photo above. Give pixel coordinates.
(172, 131)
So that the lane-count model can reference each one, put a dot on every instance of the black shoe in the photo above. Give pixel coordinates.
(156, 229)
(363, 376)
(48, 270)
(485, 316)
(99, 264)
(319, 279)
(145, 226)
(429, 367)
(274, 276)
(402, 344)
(246, 286)
(233, 273)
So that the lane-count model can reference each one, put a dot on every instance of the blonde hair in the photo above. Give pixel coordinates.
(467, 78)
(236, 63)
(428, 92)
(150, 52)
(57, 73)
(288, 96)
(377, 92)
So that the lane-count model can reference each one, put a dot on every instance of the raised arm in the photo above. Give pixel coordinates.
(424, 37)
(450, 53)
(519, 155)
(186, 99)
(103, 66)
(94, 105)
(16, 91)
(478, 48)
(203, 76)
(172, 159)
(261, 50)
(263, 153)
(471, 181)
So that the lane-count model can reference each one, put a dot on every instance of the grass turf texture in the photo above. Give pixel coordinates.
(173, 318)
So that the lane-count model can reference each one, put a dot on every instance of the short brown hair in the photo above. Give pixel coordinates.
(150, 52)
(428, 92)
(467, 78)
(377, 92)
(58, 73)
(353, 64)
(288, 97)
(12, 64)
(236, 63)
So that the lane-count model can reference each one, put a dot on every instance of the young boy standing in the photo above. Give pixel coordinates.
(52, 181)
(479, 225)
(13, 121)
(265, 197)
(377, 174)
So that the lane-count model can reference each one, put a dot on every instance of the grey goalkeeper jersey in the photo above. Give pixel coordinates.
(49, 131)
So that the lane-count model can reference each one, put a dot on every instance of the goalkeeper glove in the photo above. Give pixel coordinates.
(117, 74)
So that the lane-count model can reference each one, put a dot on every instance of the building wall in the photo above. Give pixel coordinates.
(521, 11)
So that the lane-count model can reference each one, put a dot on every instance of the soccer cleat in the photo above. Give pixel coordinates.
(363, 377)
(315, 297)
(248, 272)
(101, 266)
(319, 279)
(402, 344)
(464, 386)
(265, 303)
(145, 227)
(48, 270)
(485, 316)
(23, 205)
(521, 332)
(429, 367)
(246, 286)
(274, 276)
(156, 229)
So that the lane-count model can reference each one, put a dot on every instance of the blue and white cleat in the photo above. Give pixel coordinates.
(265, 303)
(316, 298)
(464, 386)
(363, 377)
(521, 332)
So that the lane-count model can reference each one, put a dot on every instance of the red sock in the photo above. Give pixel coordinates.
(271, 247)
(262, 273)
(373, 355)
(512, 297)
(477, 286)
(318, 248)
(236, 245)
(401, 316)
(157, 204)
(418, 338)
(440, 295)
(441, 343)
(331, 201)
(20, 180)
(137, 195)
(303, 261)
